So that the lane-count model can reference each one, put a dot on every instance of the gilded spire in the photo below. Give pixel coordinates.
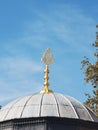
(47, 59)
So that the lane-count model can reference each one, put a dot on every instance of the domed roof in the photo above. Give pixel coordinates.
(43, 105)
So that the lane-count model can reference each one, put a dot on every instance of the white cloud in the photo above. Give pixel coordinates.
(63, 24)
(63, 29)
(11, 90)
(14, 65)
(17, 77)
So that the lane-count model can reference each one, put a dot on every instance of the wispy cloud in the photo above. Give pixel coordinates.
(13, 66)
(66, 29)
(16, 75)
(63, 24)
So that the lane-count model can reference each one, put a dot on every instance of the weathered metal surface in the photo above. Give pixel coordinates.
(41, 105)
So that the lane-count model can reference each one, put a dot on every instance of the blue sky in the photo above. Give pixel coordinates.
(28, 28)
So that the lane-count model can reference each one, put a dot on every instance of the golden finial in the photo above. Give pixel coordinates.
(47, 59)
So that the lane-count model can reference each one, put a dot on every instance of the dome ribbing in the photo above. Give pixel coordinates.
(45, 105)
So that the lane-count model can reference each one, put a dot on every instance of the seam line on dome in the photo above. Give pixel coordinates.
(84, 108)
(11, 108)
(41, 105)
(87, 112)
(77, 116)
(57, 105)
(25, 105)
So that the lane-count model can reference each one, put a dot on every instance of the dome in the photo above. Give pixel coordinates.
(45, 105)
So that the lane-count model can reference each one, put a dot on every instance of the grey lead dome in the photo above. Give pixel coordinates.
(43, 105)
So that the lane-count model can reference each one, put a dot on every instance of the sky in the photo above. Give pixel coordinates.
(28, 28)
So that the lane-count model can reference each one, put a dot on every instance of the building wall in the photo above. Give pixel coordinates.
(30, 127)
(48, 123)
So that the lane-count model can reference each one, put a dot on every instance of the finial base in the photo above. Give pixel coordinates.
(46, 91)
